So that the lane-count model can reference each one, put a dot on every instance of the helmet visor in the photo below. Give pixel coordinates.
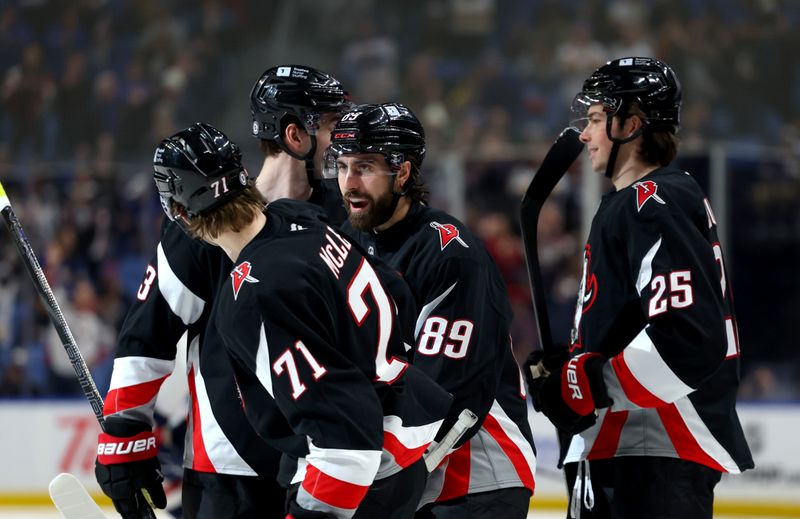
(332, 166)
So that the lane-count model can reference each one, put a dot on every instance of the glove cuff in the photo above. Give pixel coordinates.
(580, 387)
(113, 449)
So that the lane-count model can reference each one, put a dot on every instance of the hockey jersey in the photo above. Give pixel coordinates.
(462, 341)
(316, 343)
(655, 299)
(175, 298)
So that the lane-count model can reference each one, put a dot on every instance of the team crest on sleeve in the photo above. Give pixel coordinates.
(448, 233)
(646, 190)
(239, 275)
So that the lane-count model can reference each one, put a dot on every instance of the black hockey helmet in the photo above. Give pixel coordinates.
(390, 129)
(646, 81)
(199, 168)
(294, 93)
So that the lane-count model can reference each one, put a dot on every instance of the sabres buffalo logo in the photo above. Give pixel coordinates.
(447, 234)
(239, 275)
(646, 190)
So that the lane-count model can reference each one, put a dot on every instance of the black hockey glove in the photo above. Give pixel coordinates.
(127, 467)
(571, 394)
(541, 363)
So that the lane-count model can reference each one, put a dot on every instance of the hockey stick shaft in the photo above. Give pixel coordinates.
(56, 315)
(48, 298)
(435, 456)
(554, 165)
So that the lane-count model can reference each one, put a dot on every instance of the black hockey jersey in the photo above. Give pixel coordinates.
(462, 341)
(316, 343)
(656, 300)
(175, 298)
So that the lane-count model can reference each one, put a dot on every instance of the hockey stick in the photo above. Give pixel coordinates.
(435, 456)
(72, 500)
(557, 161)
(56, 316)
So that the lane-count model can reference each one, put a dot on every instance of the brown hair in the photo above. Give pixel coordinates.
(233, 215)
(415, 185)
(269, 148)
(659, 145)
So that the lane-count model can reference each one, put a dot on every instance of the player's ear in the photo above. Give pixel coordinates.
(401, 181)
(295, 138)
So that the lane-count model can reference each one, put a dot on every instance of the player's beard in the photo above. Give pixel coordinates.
(376, 212)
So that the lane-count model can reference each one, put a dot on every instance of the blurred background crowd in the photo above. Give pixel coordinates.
(89, 87)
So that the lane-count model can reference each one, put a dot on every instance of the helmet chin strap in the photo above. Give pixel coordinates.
(307, 158)
(617, 142)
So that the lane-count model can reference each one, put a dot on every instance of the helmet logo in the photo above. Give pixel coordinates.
(344, 135)
(645, 191)
(239, 275)
(447, 233)
(284, 71)
(350, 116)
(626, 62)
(255, 127)
(243, 177)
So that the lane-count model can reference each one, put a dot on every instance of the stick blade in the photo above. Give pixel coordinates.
(72, 500)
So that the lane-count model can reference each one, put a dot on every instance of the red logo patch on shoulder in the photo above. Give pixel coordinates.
(239, 275)
(646, 190)
(447, 233)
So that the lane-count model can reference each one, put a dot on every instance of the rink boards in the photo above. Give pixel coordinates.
(40, 439)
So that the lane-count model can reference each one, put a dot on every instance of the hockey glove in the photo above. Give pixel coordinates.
(127, 467)
(540, 363)
(570, 396)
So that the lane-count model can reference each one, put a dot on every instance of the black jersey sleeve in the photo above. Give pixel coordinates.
(461, 335)
(280, 330)
(164, 308)
(676, 267)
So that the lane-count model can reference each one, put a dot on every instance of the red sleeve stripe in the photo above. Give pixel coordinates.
(130, 397)
(682, 439)
(645, 377)
(200, 460)
(456, 475)
(607, 440)
(407, 444)
(332, 491)
(511, 450)
(402, 455)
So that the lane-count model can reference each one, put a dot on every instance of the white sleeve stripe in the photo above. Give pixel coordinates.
(182, 301)
(650, 370)
(646, 268)
(703, 436)
(357, 467)
(411, 437)
(129, 371)
(263, 362)
(428, 308)
(730, 335)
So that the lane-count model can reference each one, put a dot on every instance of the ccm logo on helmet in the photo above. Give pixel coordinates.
(126, 447)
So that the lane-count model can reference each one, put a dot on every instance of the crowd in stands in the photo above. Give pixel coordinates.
(88, 88)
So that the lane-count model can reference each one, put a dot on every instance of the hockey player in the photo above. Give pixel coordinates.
(294, 108)
(462, 330)
(229, 470)
(650, 385)
(313, 335)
